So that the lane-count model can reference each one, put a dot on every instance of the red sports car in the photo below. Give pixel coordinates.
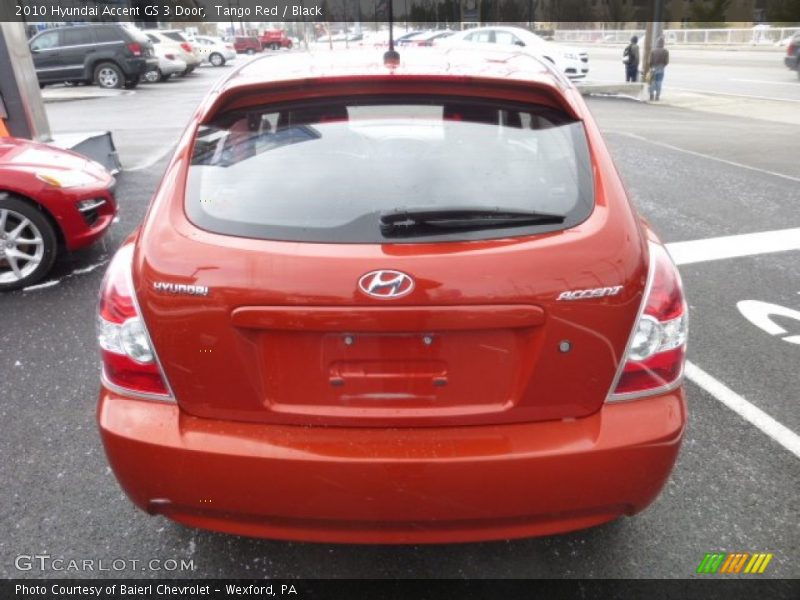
(51, 200)
(392, 303)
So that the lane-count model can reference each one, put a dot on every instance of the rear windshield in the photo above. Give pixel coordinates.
(331, 170)
(137, 35)
(174, 35)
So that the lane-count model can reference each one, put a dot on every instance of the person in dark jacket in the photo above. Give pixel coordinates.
(659, 59)
(630, 57)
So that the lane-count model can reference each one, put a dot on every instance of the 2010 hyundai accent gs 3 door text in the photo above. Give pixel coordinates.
(392, 303)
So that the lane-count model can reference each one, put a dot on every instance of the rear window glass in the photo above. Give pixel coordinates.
(174, 35)
(329, 171)
(136, 34)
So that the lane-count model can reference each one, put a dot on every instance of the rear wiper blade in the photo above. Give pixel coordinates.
(421, 220)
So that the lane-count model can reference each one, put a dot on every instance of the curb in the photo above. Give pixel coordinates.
(634, 90)
(81, 93)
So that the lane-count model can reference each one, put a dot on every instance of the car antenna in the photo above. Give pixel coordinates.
(391, 58)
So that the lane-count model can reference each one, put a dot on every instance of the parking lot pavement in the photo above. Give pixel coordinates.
(734, 487)
(725, 341)
(750, 144)
(146, 123)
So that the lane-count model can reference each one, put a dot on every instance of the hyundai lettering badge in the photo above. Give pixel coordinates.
(386, 284)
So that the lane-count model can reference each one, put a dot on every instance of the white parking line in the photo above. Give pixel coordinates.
(743, 96)
(750, 413)
(708, 156)
(791, 83)
(731, 246)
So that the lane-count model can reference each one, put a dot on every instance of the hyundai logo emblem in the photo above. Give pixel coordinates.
(386, 284)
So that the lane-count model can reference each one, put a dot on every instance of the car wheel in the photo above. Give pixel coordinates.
(250, 51)
(216, 59)
(108, 75)
(162, 78)
(27, 243)
(289, 45)
(153, 75)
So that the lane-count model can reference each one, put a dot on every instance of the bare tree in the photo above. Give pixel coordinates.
(707, 13)
(617, 13)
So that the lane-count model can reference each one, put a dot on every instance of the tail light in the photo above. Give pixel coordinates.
(129, 361)
(136, 49)
(653, 361)
(186, 46)
(790, 49)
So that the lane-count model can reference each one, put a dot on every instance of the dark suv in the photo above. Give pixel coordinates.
(110, 55)
(792, 58)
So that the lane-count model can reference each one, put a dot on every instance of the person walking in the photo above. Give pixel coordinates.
(659, 59)
(630, 57)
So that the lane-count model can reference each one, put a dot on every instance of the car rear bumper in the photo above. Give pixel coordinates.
(171, 67)
(365, 485)
(139, 66)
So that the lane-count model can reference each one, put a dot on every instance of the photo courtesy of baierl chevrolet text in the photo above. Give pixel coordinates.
(399, 299)
(159, 590)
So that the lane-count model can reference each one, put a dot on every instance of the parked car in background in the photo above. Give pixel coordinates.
(176, 42)
(406, 39)
(573, 62)
(110, 55)
(168, 65)
(247, 45)
(438, 37)
(479, 339)
(213, 50)
(51, 201)
(792, 58)
(427, 38)
(275, 39)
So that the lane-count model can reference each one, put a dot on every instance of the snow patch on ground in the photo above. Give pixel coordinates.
(54, 282)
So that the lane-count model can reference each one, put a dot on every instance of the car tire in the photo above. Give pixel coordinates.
(162, 78)
(250, 51)
(289, 46)
(216, 59)
(15, 211)
(153, 75)
(109, 76)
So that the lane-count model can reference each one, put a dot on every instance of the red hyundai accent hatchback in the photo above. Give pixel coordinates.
(392, 303)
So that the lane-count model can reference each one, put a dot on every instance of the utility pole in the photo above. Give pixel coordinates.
(655, 30)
